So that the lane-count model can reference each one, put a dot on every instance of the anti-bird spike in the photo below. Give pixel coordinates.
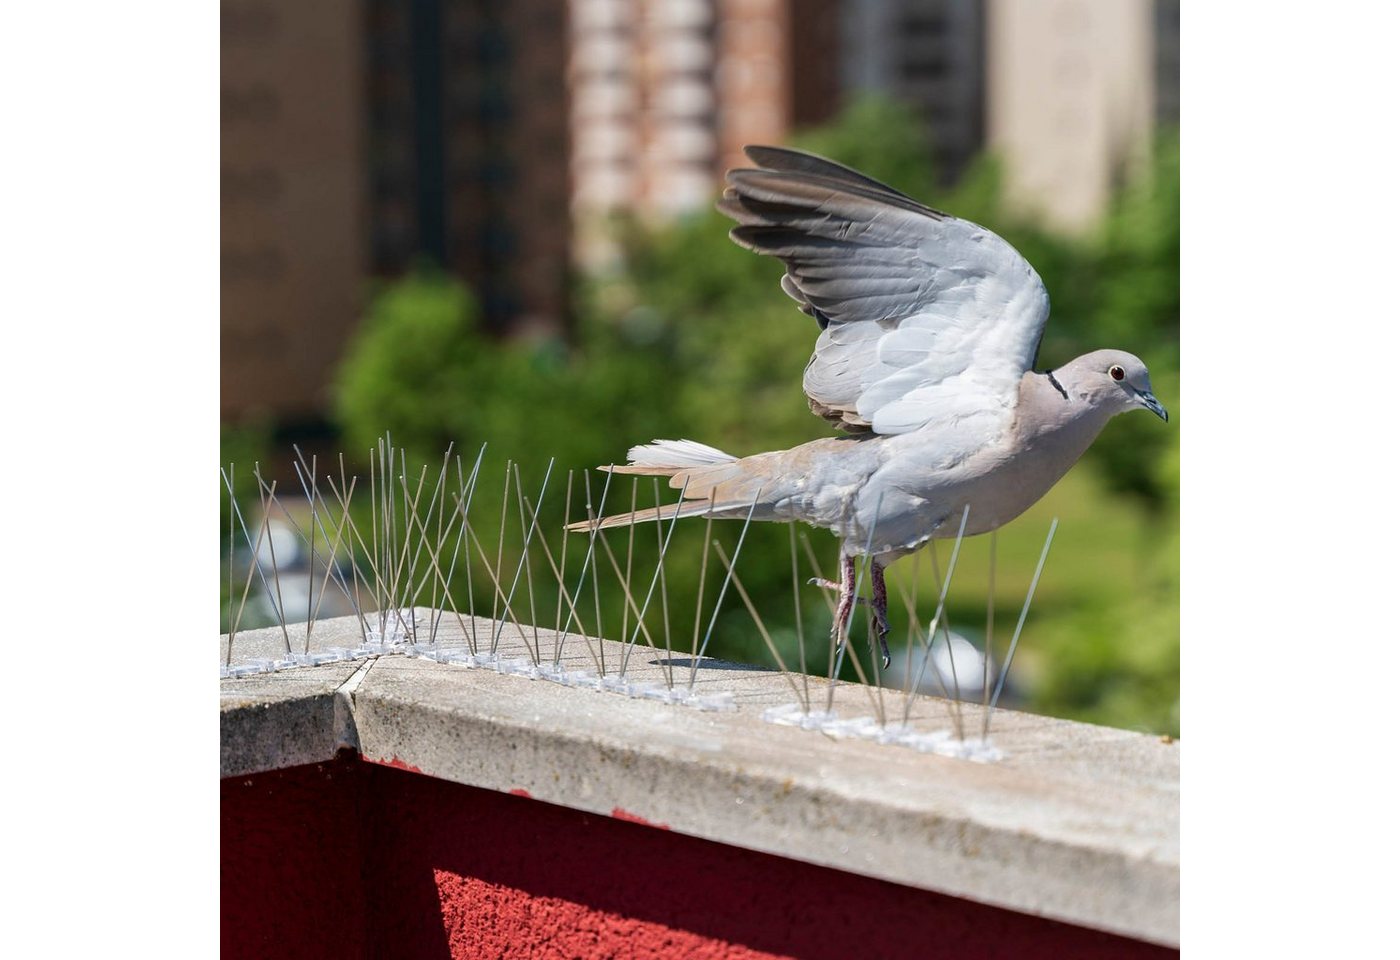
(419, 565)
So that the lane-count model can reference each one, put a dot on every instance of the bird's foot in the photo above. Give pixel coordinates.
(833, 585)
(880, 629)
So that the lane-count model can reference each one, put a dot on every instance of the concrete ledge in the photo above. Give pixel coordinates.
(279, 720)
(1078, 823)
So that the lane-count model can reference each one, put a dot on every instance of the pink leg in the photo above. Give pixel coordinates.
(848, 598)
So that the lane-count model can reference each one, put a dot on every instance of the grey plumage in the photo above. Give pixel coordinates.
(928, 330)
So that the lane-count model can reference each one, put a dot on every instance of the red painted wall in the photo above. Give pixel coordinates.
(351, 859)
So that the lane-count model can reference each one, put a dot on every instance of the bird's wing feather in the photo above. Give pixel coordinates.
(925, 317)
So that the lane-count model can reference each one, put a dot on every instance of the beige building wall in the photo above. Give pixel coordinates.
(753, 80)
(1070, 100)
(290, 201)
(664, 94)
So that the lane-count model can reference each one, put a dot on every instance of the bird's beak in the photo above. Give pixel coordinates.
(1151, 403)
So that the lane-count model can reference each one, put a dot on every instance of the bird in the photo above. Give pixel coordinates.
(929, 327)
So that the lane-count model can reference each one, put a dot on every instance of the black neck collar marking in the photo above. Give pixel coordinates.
(1056, 384)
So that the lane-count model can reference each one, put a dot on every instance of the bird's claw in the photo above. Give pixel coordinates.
(882, 624)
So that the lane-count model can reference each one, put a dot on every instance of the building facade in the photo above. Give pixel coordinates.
(496, 139)
(363, 140)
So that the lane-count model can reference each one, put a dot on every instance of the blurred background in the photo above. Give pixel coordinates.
(474, 220)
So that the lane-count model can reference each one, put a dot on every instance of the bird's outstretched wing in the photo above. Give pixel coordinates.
(924, 317)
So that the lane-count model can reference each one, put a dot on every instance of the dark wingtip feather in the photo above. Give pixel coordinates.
(809, 188)
(788, 160)
(750, 149)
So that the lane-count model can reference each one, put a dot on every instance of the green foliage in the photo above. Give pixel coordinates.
(240, 447)
(1138, 302)
(691, 337)
(881, 138)
(422, 369)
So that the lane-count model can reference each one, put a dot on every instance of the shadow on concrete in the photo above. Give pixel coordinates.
(708, 664)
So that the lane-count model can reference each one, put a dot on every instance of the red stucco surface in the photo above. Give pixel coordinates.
(353, 859)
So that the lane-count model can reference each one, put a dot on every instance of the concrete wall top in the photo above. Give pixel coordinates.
(1075, 822)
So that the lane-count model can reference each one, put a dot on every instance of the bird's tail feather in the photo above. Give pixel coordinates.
(677, 459)
(673, 455)
(663, 513)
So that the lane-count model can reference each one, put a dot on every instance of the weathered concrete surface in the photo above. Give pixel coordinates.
(1078, 823)
(281, 720)
(278, 720)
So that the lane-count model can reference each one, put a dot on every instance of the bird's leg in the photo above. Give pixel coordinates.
(826, 584)
(879, 603)
(847, 599)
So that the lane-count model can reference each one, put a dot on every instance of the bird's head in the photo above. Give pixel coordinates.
(1111, 380)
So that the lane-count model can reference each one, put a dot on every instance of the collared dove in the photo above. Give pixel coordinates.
(930, 327)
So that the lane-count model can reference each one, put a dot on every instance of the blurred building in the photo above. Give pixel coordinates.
(496, 138)
(360, 139)
(1074, 90)
(1065, 91)
(468, 149)
(665, 93)
(930, 54)
(292, 201)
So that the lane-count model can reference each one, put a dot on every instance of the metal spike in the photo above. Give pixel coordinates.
(500, 555)
(988, 651)
(272, 554)
(403, 574)
(573, 611)
(563, 564)
(700, 593)
(355, 575)
(229, 620)
(248, 538)
(730, 572)
(467, 487)
(310, 559)
(588, 554)
(627, 579)
(312, 494)
(433, 499)
(629, 602)
(524, 556)
(238, 617)
(797, 614)
(435, 568)
(343, 499)
(1016, 637)
(661, 549)
(376, 558)
(933, 629)
(724, 587)
(330, 560)
(495, 582)
(661, 568)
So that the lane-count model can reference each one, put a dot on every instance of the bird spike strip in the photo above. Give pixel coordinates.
(406, 553)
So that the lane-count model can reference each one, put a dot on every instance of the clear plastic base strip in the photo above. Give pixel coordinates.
(395, 638)
(940, 742)
(583, 679)
(463, 657)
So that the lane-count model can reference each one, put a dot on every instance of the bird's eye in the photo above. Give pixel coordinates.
(1116, 372)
